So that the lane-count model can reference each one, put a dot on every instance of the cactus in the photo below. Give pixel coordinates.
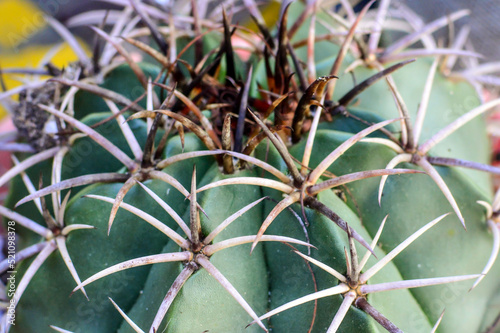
(199, 192)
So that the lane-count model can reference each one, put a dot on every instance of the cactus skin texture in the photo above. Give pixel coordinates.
(179, 216)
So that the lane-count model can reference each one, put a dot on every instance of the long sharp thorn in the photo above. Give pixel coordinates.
(155, 33)
(306, 157)
(483, 69)
(119, 200)
(27, 163)
(26, 71)
(32, 269)
(487, 206)
(494, 325)
(21, 255)
(420, 53)
(173, 56)
(211, 249)
(363, 304)
(275, 104)
(388, 143)
(60, 330)
(227, 160)
(149, 50)
(163, 142)
(217, 275)
(459, 43)
(424, 103)
(401, 158)
(61, 245)
(184, 156)
(436, 177)
(427, 29)
(379, 22)
(397, 250)
(72, 227)
(341, 288)
(252, 8)
(224, 224)
(406, 126)
(289, 200)
(195, 225)
(327, 161)
(25, 222)
(228, 47)
(242, 110)
(96, 49)
(209, 137)
(323, 209)
(345, 47)
(171, 294)
(348, 265)
(417, 283)
(342, 311)
(249, 181)
(462, 163)
(29, 185)
(70, 39)
(98, 138)
(281, 54)
(57, 163)
(347, 98)
(118, 28)
(162, 227)
(445, 132)
(133, 65)
(323, 266)
(150, 141)
(17, 90)
(137, 262)
(354, 256)
(14, 147)
(132, 142)
(346, 5)
(495, 230)
(349, 178)
(49, 220)
(105, 93)
(169, 180)
(281, 149)
(134, 326)
(298, 68)
(373, 244)
(74, 182)
(198, 46)
(438, 322)
(261, 164)
(311, 66)
(180, 222)
(252, 160)
(180, 131)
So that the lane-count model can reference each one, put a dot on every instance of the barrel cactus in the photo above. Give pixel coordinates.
(325, 177)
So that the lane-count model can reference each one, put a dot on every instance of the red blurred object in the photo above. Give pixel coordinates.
(5, 160)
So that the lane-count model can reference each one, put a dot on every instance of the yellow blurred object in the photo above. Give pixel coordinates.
(270, 13)
(19, 19)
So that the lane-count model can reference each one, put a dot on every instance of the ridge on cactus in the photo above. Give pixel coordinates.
(286, 152)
